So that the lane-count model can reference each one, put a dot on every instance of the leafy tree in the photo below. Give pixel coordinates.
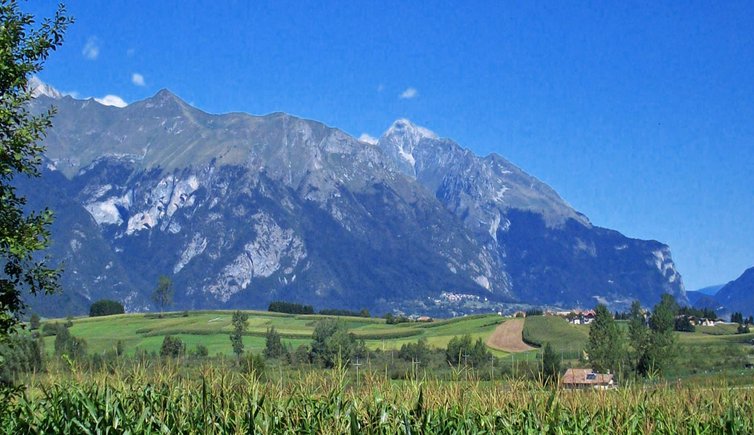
(302, 355)
(273, 347)
(106, 307)
(67, 344)
(683, 324)
(737, 317)
(333, 345)
(418, 351)
(323, 330)
(172, 346)
(550, 365)
(240, 323)
(23, 49)
(20, 354)
(638, 336)
(743, 329)
(661, 341)
(34, 322)
(605, 345)
(705, 313)
(163, 293)
(462, 350)
(458, 349)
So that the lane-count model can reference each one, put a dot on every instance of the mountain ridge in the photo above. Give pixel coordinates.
(213, 193)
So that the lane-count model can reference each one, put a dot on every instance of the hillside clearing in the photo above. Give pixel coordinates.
(508, 337)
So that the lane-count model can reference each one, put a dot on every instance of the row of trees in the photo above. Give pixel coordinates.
(646, 349)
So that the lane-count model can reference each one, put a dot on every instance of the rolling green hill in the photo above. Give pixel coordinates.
(212, 328)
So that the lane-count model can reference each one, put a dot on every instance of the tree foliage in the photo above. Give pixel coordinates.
(605, 345)
(333, 346)
(34, 321)
(737, 317)
(638, 337)
(67, 344)
(550, 365)
(662, 340)
(418, 351)
(23, 49)
(273, 345)
(172, 346)
(106, 307)
(20, 354)
(461, 350)
(240, 322)
(652, 341)
(163, 293)
(290, 308)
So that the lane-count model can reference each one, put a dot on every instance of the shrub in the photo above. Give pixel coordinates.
(172, 346)
(201, 351)
(106, 307)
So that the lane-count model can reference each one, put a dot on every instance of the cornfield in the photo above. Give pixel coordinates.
(150, 399)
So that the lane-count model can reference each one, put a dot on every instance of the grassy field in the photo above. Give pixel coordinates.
(708, 350)
(211, 329)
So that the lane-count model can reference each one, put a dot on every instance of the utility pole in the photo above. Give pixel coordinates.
(357, 365)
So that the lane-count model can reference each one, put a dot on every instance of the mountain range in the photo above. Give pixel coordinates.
(240, 210)
(738, 295)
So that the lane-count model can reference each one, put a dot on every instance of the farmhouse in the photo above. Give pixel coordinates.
(587, 378)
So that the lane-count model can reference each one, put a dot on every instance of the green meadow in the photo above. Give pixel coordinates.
(212, 329)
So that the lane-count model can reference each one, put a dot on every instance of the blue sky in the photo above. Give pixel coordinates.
(641, 115)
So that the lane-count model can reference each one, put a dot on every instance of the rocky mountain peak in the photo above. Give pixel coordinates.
(164, 99)
(244, 209)
(399, 142)
(40, 88)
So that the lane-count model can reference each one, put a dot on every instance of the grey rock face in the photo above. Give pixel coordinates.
(242, 209)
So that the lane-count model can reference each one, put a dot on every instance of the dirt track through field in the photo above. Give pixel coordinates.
(508, 336)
